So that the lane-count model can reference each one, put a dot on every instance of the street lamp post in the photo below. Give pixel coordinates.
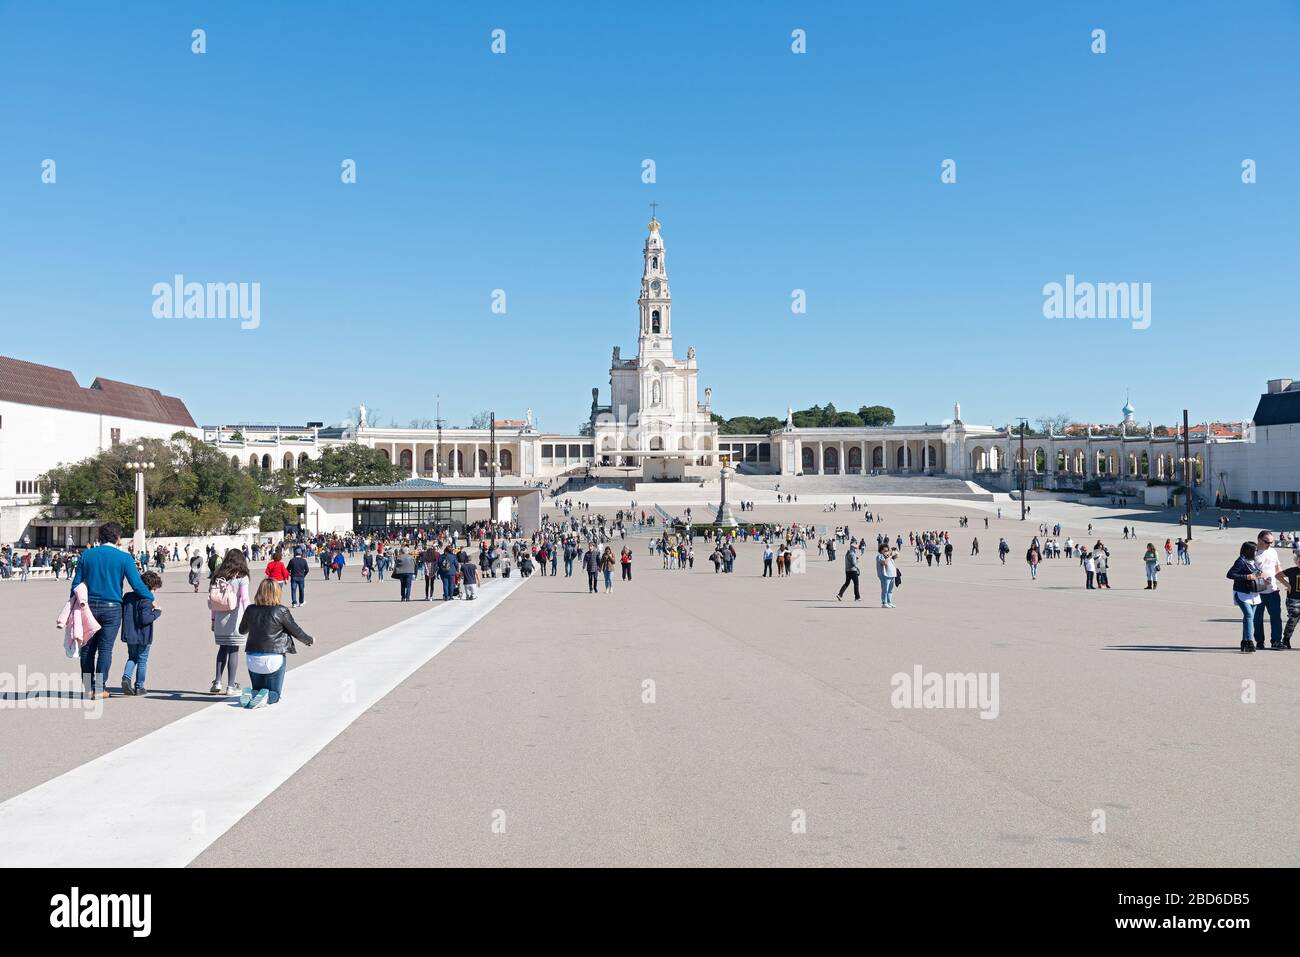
(1024, 467)
(139, 467)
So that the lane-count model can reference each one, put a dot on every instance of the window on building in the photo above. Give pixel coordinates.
(654, 321)
(548, 453)
(589, 451)
(115, 436)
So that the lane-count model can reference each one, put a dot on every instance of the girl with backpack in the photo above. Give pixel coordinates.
(228, 598)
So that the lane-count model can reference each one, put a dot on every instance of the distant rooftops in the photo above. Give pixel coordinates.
(29, 383)
(247, 427)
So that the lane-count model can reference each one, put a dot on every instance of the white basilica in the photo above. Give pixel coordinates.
(655, 419)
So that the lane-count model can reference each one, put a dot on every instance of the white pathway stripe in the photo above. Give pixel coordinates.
(162, 799)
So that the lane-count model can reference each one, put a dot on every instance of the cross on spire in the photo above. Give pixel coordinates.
(653, 206)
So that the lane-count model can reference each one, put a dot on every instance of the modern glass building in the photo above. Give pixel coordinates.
(417, 502)
(375, 514)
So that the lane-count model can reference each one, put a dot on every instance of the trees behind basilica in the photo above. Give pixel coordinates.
(816, 417)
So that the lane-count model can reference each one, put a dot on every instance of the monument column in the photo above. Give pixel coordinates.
(821, 457)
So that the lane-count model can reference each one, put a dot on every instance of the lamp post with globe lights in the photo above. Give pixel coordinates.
(139, 467)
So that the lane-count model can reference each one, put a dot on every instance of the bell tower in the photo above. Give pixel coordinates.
(656, 302)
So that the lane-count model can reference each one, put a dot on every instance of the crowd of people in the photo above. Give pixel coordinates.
(253, 624)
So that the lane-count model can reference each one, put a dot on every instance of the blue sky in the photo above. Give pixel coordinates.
(775, 171)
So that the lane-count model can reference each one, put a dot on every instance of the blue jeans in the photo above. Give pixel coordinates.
(448, 586)
(297, 590)
(568, 567)
(273, 683)
(1247, 617)
(886, 591)
(1271, 600)
(109, 616)
(137, 663)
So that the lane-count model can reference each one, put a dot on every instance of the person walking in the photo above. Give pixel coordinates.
(429, 565)
(138, 616)
(196, 571)
(1270, 599)
(447, 568)
(270, 630)
(1101, 563)
(298, 570)
(607, 563)
(102, 569)
(228, 598)
(1152, 560)
(887, 572)
(404, 571)
(852, 572)
(626, 560)
(591, 564)
(1089, 568)
(1246, 580)
(1290, 577)
(1033, 557)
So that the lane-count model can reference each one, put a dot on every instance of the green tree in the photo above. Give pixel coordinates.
(876, 415)
(349, 464)
(191, 489)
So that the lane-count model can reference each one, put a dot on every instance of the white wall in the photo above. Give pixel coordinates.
(34, 439)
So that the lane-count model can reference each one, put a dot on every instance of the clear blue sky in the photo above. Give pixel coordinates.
(775, 172)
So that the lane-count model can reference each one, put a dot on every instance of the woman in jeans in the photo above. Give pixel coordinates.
(607, 562)
(225, 624)
(271, 630)
(1245, 574)
(886, 571)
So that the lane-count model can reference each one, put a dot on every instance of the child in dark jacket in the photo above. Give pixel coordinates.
(138, 616)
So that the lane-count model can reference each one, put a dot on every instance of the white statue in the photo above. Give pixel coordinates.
(361, 415)
(690, 354)
(956, 411)
(529, 417)
(708, 397)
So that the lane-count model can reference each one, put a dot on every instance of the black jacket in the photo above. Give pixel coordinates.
(271, 630)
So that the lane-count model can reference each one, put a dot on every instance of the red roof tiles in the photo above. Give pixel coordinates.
(28, 383)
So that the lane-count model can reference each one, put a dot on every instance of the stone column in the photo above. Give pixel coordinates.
(821, 458)
(415, 464)
(476, 460)
(863, 444)
(844, 465)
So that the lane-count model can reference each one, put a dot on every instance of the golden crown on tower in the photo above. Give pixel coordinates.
(654, 225)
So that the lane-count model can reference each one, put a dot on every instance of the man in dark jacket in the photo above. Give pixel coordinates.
(298, 569)
(591, 562)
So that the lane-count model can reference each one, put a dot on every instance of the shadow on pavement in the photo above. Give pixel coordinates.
(1235, 649)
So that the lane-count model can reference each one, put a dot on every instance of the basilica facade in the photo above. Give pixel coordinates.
(657, 425)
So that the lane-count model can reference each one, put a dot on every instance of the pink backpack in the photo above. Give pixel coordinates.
(223, 596)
